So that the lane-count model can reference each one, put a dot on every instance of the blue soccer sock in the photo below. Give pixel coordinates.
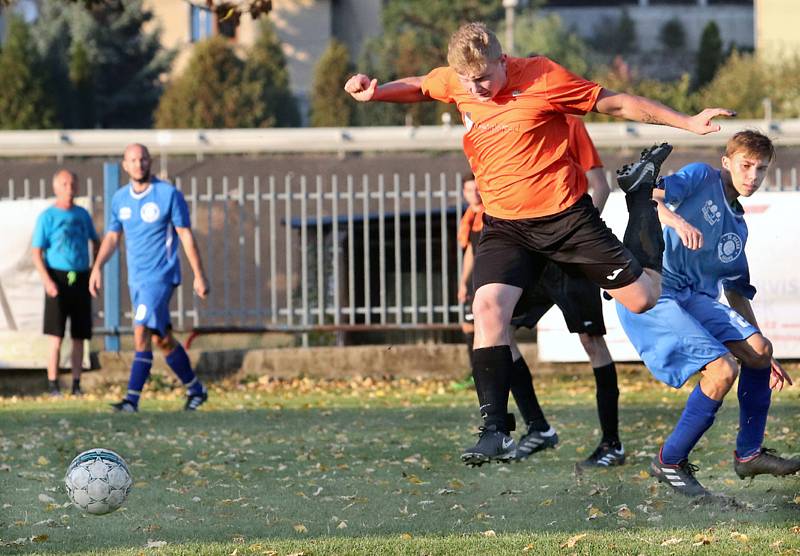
(140, 371)
(178, 361)
(697, 417)
(754, 399)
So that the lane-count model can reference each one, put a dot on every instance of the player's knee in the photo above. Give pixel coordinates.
(760, 355)
(641, 304)
(724, 374)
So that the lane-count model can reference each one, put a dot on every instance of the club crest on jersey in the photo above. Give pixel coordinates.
(711, 212)
(729, 247)
(468, 123)
(125, 213)
(149, 212)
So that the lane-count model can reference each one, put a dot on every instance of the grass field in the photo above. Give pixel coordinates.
(365, 467)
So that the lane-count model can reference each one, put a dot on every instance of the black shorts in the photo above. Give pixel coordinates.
(515, 252)
(73, 301)
(577, 297)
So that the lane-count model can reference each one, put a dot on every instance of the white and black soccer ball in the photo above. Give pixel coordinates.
(98, 481)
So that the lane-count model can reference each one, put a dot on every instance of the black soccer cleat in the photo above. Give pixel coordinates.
(678, 476)
(642, 174)
(193, 401)
(607, 454)
(125, 406)
(765, 462)
(535, 441)
(493, 445)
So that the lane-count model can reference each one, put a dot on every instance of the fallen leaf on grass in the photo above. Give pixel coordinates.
(39, 538)
(155, 544)
(42, 461)
(46, 499)
(671, 541)
(701, 539)
(572, 541)
(342, 525)
(740, 537)
(406, 536)
(489, 533)
(594, 513)
(796, 529)
(625, 513)
(300, 528)
(546, 502)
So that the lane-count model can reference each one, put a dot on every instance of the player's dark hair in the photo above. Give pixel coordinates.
(751, 142)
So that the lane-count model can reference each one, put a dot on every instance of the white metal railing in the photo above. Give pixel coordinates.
(322, 252)
(66, 143)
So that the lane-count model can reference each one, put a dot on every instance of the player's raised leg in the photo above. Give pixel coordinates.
(643, 235)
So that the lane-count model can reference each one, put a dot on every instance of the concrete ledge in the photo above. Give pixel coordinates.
(442, 361)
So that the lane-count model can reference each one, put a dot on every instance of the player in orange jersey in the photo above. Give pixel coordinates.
(534, 195)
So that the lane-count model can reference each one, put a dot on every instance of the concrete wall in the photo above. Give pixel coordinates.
(776, 24)
(735, 21)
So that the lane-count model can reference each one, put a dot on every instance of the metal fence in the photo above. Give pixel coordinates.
(308, 253)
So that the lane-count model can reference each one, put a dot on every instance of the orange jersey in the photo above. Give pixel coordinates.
(580, 145)
(517, 142)
(472, 221)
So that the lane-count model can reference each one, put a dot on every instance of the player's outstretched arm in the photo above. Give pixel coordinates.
(407, 89)
(107, 248)
(641, 109)
(200, 283)
(691, 237)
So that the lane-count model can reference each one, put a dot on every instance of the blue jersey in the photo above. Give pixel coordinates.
(64, 234)
(149, 220)
(697, 194)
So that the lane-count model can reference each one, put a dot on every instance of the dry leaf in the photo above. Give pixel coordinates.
(671, 541)
(489, 533)
(740, 537)
(594, 513)
(572, 541)
(46, 499)
(547, 502)
(155, 544)
(406, 536)
(701, 539)
(42, 461)
(300, 528)
(342, 525)
(625, 513)
(39, 538)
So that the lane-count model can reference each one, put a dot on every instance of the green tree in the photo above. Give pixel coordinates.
(81, 83)
(672, 35)
(208, 93)
(741, 84)
(546, 35)
(616, 36)
(25, 101)
(267, 80)
(120, 64)
(331, 106)
(709, 55)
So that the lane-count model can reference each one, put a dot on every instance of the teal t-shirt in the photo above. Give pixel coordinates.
(64, 234)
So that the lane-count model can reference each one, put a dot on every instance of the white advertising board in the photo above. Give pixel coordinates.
(774, 257)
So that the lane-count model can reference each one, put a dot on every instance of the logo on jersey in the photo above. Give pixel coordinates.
(150, 212)
(124, 213)
(711, 212)
(614, 274)
(516, 93)
(729, 247)
(468, 121)
(141, 312)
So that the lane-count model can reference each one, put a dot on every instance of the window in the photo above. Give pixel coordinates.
(202, 23)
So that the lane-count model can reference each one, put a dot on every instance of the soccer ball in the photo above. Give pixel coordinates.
(98, 481)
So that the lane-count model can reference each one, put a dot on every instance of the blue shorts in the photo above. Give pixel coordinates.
(151, 306)
(683, 333)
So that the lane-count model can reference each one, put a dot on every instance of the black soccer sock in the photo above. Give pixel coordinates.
(608, 401)
(52, 385)
(469, 338)
(491, 369)
(525, 396)
(644, 237)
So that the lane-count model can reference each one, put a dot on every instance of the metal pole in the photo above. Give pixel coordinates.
(111, 269)
(510, 6)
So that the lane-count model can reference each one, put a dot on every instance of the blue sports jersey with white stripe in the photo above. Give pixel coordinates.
(149, 220)
(697, 194)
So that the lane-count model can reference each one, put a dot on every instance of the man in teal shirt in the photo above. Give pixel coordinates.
(61, 255)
